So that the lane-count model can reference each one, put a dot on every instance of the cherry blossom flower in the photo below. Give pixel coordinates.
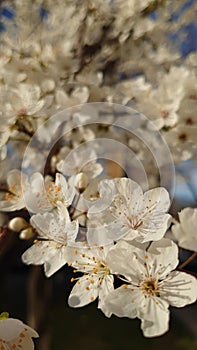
(182, 141)
(43, 195)
(12, 199)
(185, 230)
(55, 232)
(97, 280)
(21, 102)
(80, 162)
(151, 284)
(14, 334)
(131, 214)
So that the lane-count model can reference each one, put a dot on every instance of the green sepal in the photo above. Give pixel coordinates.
(4, 315)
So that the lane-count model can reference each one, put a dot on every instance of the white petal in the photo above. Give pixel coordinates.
(155, 318)
(84, 292)
(37, 183)
(99, 236)
(29, 94)
(42, 223)
(72, 230)
(106, 190)
(157, 198)
(85, 258)
(165, 256)
(14, 180)
(24, 339)
(121, 259)
(122, 302)
(35, 195)
(129, 189)
(68, 192)
(93, 169)
(39, 253)
(184, 231)
(10, 328)
(106, 287)
(179, 289)
(186, 216)
(12, 205)
(55, 262)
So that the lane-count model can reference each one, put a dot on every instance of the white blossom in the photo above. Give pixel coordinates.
(184, 231)
(55, 232)
(14, 334)
(151, 284)
(13, 199)
(97, 280)
(129, 213)
(43, 195)
(80, 161)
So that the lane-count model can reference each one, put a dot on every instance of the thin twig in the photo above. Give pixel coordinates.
(186, 262)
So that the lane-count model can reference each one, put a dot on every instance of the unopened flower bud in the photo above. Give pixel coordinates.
(17, 224)
(27, 233)
(82, 181)
(48, 85)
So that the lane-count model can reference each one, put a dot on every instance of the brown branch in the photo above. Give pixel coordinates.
(186, 262)
(39, 292)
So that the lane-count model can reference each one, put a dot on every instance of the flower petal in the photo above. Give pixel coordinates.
(38, 253)
(84, 291)
(155, 318)
(56, 261)
(179, 289)
(122, 302)
(106, 287)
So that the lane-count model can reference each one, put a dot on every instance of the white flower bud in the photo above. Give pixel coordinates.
(27, 233)
(82, 181)
(48, 85)
(17, 224)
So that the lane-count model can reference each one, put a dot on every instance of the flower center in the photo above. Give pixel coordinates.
(134, 222)
(101, 268)
(22, 112)
(150, 287)
(13, 193)
(164, 114)
(53, 193)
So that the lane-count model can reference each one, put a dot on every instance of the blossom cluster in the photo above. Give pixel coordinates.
(117, 231)
(92, 54)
